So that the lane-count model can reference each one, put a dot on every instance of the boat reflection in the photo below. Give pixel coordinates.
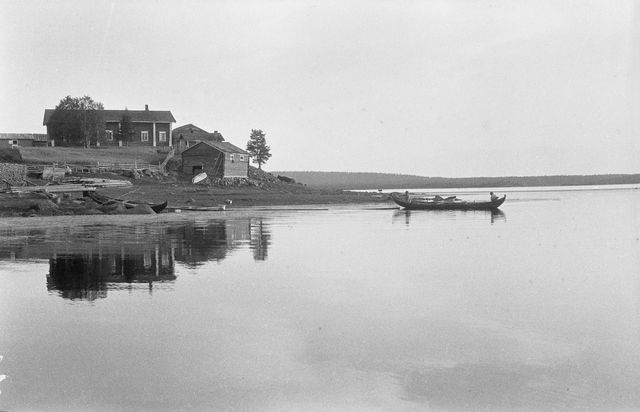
(87, 261)
(405, 215)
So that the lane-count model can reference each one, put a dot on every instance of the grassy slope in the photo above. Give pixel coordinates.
(82, 156)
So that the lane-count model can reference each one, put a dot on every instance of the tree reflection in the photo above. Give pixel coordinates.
(77, 278)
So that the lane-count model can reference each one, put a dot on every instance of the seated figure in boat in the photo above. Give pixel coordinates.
(494, 197)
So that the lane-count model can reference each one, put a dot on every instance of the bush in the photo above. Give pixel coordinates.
(10, 156)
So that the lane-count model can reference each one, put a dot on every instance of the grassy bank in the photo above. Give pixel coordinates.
(90, 156)
(182, 193)
(262, 189)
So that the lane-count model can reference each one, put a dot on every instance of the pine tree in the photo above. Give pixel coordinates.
(126, 132)
(257, 147)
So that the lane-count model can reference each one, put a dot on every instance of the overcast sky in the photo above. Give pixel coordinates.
(434, 88)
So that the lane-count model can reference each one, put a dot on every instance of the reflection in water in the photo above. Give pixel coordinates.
(86, 261)
(497, 215)
(260, 238)
(86, 276)
(494, 216)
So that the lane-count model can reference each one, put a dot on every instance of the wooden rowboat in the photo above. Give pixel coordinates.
(199, 178)
(451, 203)
(129, 204)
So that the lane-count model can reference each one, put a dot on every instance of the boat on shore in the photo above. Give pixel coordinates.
(129, 204)
(406, 201)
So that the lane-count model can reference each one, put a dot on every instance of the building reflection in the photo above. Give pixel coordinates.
(88, 276)
(86, 262)
(260, 238)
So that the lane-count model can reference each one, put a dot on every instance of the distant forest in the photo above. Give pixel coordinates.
(345, 180)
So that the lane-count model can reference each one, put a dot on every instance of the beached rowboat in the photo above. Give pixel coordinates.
(129, 204)
(437, 203)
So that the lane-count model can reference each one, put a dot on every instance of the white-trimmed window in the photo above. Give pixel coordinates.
(13, 142)
(108, 134)
(242, 158)
(162, 136)
(232, 157)
(144, 136)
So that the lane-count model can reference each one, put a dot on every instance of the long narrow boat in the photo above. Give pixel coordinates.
(452, 203)
(129, 204)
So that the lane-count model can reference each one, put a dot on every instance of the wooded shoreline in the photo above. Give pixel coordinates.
(372, 181)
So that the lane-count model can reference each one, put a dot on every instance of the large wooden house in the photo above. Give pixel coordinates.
(150, 127)
(217, 159)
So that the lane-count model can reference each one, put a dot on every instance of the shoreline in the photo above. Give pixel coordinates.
(183, 197)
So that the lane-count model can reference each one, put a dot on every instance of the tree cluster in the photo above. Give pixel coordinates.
(77, 121)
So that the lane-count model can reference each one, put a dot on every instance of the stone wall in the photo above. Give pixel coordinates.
(11, 173)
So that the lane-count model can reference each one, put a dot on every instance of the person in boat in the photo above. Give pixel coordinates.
(406, 197)
(494, 197)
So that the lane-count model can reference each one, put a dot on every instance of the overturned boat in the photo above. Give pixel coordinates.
(129, 204)
(439, 203)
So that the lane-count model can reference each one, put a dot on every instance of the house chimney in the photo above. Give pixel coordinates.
(146, 107)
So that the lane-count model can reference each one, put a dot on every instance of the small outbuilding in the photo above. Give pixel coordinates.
(23, 139)
(217, 159)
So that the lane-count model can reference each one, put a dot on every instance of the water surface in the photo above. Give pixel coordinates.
(358, 307)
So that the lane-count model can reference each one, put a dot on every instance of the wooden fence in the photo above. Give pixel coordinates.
(100, 167)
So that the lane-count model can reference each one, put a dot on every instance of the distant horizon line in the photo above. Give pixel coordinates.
(461, 177)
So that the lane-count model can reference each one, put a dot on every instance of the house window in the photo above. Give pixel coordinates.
(144, 136)
(231, 156)
(108, 134)
(162, 136)
(242, 158)
(13, 142)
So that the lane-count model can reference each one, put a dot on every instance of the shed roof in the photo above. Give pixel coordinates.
(225, 147)
(147, 116)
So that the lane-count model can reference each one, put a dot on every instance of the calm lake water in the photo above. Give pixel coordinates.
(354, 307)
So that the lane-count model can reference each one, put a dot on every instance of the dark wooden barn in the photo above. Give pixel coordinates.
(217, 159)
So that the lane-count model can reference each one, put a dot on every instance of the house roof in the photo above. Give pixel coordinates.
(39, 137)
(146, 116)
(189, 128)
(192, 132)
(225, 147)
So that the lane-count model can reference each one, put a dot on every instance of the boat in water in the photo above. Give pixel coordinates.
(129, 204)
(439, 203)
